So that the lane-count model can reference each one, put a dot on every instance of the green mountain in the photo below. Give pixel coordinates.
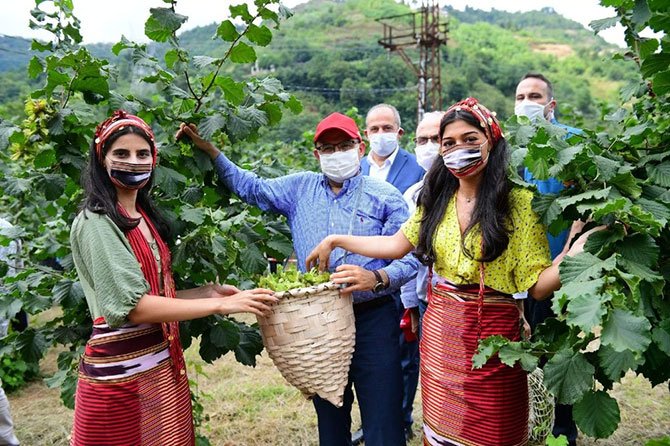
(327, 53)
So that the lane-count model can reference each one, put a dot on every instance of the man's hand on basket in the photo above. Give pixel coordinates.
(320, 255)
(256, 301)
(191, 131)
(354, 277)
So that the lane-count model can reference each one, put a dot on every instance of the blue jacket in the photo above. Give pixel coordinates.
(404, 163)
(552, 186)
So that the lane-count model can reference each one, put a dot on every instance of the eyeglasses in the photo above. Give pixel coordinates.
(328, 149)
(421, 140)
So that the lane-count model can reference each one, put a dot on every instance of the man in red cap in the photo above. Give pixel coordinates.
(340, 200)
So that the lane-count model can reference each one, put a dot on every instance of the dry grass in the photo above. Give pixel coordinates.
(557, 49)
(255, 406)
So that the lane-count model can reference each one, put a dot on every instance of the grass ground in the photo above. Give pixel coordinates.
(255, 406)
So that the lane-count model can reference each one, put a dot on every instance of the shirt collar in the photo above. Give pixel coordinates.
(387, 162)
(347, 186)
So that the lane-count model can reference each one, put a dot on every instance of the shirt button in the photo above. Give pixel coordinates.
(182, 372)
(170, 338)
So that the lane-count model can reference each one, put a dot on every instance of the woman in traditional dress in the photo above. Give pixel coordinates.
(483, 243)
(133, 388)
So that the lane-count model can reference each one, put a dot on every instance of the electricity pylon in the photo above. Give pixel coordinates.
(423, 30)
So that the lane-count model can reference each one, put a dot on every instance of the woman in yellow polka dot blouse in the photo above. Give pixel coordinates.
(483, 243)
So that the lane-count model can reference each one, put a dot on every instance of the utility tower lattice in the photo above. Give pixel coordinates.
(422, 30)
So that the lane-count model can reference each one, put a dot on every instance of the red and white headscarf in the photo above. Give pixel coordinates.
(487, 119)
(119, 120)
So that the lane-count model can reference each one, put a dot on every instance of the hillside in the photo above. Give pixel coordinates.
(328, 54)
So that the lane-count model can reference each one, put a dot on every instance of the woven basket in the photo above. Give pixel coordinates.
(541, 408)
(310, 337)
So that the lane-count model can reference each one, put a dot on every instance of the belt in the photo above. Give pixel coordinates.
(372, 303)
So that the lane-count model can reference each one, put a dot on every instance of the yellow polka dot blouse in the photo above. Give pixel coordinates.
(517, 268)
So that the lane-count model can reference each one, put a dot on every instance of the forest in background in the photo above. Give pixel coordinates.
(613, 314)
(328, 56)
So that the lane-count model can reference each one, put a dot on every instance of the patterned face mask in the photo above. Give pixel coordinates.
(464, 160)
(129, 175)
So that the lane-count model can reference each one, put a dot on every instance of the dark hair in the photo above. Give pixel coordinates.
(100, 193)
(550, 87)
(491, 210)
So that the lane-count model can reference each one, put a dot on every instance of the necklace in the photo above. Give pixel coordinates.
(469, 199)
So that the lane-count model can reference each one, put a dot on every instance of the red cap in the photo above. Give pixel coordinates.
(337, 121)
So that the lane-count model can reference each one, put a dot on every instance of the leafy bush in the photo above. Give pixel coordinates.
(15, 372)
(613, 313)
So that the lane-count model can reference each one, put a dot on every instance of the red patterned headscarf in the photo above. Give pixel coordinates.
(487, 119)
(119, 120)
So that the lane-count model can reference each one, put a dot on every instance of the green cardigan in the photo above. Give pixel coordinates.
(109, 272)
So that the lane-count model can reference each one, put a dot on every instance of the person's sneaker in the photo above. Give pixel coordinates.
(357, 437)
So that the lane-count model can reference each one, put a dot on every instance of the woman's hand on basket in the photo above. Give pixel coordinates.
(355, 278)
(320, 255)
(191, 131)
(256, 301)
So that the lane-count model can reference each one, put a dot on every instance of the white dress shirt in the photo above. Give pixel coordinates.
(381, 172)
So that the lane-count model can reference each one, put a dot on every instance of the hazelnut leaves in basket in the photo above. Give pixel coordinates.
(284, 280)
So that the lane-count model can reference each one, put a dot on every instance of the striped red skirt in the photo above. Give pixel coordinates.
(462, 406)
(128, 391)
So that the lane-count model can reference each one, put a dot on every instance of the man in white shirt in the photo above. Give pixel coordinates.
(386, 160)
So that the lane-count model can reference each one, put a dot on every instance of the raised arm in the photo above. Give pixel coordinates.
(274, 195)
(191, 131)
(377, 246)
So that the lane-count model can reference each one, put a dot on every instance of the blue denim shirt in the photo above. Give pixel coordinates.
(314, 211)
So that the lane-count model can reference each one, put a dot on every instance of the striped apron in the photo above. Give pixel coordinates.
(128, 392)
(462, 406)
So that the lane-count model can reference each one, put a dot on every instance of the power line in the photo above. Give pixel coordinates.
(338, 91)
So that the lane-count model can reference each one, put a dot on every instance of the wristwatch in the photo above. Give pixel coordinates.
(380, 285)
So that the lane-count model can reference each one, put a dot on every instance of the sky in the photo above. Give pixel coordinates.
(103, 21)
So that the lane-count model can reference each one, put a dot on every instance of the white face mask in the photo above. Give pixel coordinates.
(532, 110)
(383, 144)
(426, 154)
(340, 166)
